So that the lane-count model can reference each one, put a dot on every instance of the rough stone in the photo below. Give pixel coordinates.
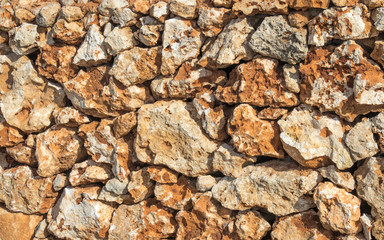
(292, 78)
(378, 52)
(125, 17)
(7, 20)
(304, 4)
(60, 182)
(106, 7)
(78, 215)
(24, 153)
(301, 226)
(276, 38)
(258, 82)
(24, 16)
(71, 13)
(351, 91)
(17, 225)
(116, 191)
(181, 42)
(280, 187)
(140, 185)
(181, 146)
(222, 3)
(24, 39)
(9, 136)
(230, 46)
(272, 113)
(47, 14)
(229, 162)
(38, 197)
(253, 136)
(378, 228)
(145, 220)
(89, 172)
(183, 8)
(136, 65)
(57, 150)
(338, 209)
(68, 32)
(70, 117)
(251, 225)
(205, 183)
(123, 124)
(314, 140)
(252, 7)
(378, 129)
(162, 174)
(341, 23)
(373, 3)
(342, 179)
(343, 3)
(160, 11)
(212, 20)
(366, 222)
(378, 18)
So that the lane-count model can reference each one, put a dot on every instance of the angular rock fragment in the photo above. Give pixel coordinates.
(7, 20)
(314, 140)
(123, 124)
(136, 65)
(349, 92)
(160, 11)
(230, 46)
(342, 179)
(258, 82)
(378, 128)
(22, 190)
(338, 209)
(118, 40)
(253, 7)
(181, 42)
(280, 187)
(24, 153)
(71, 13)
(9, 136)
(342, 3)
(150, 34)
(373, 3)
(251, 225)
(276, 38)
(292, 78)
(78, 215)
(140, 186)
(378, 228)
(181, 146)
(60, 182)
(301, 226)
(125, 17)
(139, 221)
(378, 18)
(303, 4)
(89, 172)
(162, 174)
(47, 14)
(68, 32)
(70, 117)
(341, 23)
(106, 7)
(183, 8)
(272, 113)
(116, 191)
(366, 222)
(253, 136)
(205, 183)
(378, 52)
(57, 150)
(212, 20)
(24, 39)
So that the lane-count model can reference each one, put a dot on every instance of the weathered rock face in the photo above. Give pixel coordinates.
(300, 4)
(118, 40)
(181, 146)
(212, 20)
(251, 225)
(145, 220)
(38, 197)
(252, 7)
(9, 136)
(342, 179)
(89, 172)
(338, 209)
(314, 140)
(347, 91)
(68, 32)
(70, 117)
(24, 39)
(258, 82)
(253, 136)
(140, 186)
(271, 185)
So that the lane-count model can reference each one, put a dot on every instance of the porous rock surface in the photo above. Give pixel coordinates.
(192, 119)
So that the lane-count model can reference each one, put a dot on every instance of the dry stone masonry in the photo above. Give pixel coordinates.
(192, 119)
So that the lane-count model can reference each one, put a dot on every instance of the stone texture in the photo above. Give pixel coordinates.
(29, 101)
(258, 82)
(123, 124)
(303, 4)
(89, 172)
(68, 32)
(205, 183)
(24, 39)
(162, 174)
(118, 40)
(60, 182)
(378, 228)
(342, 3)
(301, 226)
(253, 136)
(70, 117)
(24, 153)
(181, 42)
(280, 187)
(366, 222)
(347, 91)
(378, 129)
(37, 198)
(47, 14)
(136, 65)
(115, 190)
(373, 3)
(230, 46)
(276, 38)
(341, 23)
(251, 225)
(7, 19)
(342, 179)
(57, 150)
(378, 52)
(181, 146)
(378, 18)
(125, 17)
(338, 209)
(71, 13)
(150, 34)
(183, 8)
(212, 20)
(140, 186)
(78, 215)
(314, 140)
(160, 11)
(9, 136)
(272, 113)
(292, 78)
(145, 220)
(106, 7)
(15, 226)
(252, 7)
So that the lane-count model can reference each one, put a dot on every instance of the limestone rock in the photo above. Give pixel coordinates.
(24, 153)
(123, 124)
(300, 4)
(136, 65)
(91, 51)
(60, 182)
(181, 42)
(378, 128)
(258, 82)
(71, 13)
(378, 52)
(251, 225)
(47, 14)
(253, 136)
(116, 191)
(205, 183)
(57, 150)
(7, 20)
(272, 113)
(140, 185)
(347, 91)
(341, 23)
(118, 40)
(378, 18)
(378, 228)
(38, 197)
(145, 220)
(149, 35)
(181, 146)
(252, 7)
(183, 8)
(292, 78)
(89, 172)
(342, 179)
(299, 19)
(160, 11)
(369, 184)
(281, 187)
(23, 15)
(212, 20)
(366, 222)
(176, 195)
(338, 209)
(162, 174)
(301, 226)
(55, 62)
(230, 46)
(207, 220)
(24, 39)
(68, 32)
(30, 101)
(106, 7)
(229, 162)
(17, 225)
(373, 3)
(314, 140)
(70, 117)
(360, 141)
(125, 17)
(78, 215)
(342, 3)
(9, 136)
(276, 38)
